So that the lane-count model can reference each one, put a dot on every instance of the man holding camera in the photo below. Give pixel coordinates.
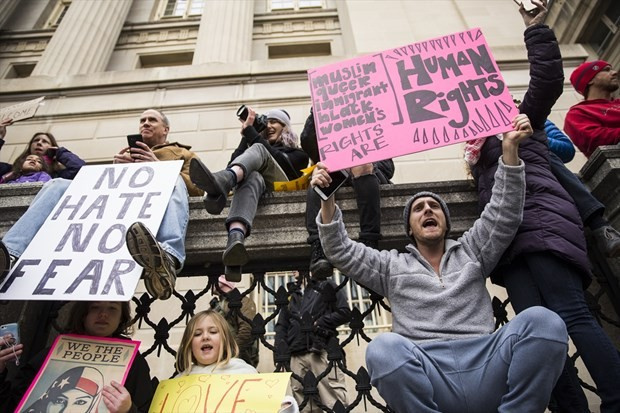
(318, 303)
(162, 255)
(267, 153)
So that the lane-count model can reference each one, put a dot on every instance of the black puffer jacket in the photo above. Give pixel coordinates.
(291, 160)
(551, 221)
(312, 317)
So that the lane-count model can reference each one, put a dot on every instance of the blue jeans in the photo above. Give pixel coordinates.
(260, 171)
(171, 234)
(584, 201)
(543, 279)
(511, 370)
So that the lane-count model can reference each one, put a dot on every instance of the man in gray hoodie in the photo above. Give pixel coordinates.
(443, 355)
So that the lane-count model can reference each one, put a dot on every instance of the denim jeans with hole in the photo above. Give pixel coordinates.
(171, 234)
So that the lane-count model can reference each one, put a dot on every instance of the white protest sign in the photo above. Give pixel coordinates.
(79, 253)
(22, 110)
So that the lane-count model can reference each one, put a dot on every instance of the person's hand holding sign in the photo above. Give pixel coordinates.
(3, 124)
(512, 139)
(116, 398)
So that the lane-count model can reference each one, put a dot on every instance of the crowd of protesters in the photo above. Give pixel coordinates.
(443, 352)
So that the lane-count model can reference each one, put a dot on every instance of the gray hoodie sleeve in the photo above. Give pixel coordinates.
(484, 242)
(497, 226)
(363, 264)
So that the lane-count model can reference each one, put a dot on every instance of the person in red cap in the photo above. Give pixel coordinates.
(591, 123)
(596, 120)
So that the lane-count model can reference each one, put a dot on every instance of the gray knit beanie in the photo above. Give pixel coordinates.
(409, 204)
(279, 115)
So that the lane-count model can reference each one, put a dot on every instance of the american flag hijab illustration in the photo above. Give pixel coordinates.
(77, 390)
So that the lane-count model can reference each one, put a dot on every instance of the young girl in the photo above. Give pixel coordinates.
(209, 347)
(28, 168)
(92, 318)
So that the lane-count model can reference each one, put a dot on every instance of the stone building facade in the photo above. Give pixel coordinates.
(101, 63)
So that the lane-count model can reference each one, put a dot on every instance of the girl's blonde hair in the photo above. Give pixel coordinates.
(228, 346)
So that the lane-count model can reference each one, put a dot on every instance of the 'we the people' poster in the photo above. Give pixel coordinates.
(409, 99)
(76, 369)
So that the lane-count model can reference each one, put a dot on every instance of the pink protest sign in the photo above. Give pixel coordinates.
(76, 368)
(410, 99)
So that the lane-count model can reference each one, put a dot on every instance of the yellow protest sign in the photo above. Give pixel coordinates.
(221, 393)
(297, 184)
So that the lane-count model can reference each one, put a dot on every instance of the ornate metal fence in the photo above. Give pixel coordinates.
(336, 347)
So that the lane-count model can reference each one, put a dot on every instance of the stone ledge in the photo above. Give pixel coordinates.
(278, 240)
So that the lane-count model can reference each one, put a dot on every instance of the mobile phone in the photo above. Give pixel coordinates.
(132, 139)
(9, 334)
(338, 179)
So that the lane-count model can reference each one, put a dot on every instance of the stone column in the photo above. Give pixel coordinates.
(7, 7)
(85, 39)
(225, 33)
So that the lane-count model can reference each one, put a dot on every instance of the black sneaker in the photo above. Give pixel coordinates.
(320, 267)
(235, 254)
(608, 240)
(159, 270)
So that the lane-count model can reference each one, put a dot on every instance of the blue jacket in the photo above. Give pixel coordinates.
(559, 143)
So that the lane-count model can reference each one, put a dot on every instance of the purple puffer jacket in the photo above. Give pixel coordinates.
(71, 162)
(551, 221)
(33, 177)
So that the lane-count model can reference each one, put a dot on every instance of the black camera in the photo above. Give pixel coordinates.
(260, 121)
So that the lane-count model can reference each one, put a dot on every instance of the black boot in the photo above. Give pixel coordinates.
(320, 267)
(235, 254)
(233, 273)
(216, 185)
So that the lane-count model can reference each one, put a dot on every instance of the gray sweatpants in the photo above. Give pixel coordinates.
(512, 370)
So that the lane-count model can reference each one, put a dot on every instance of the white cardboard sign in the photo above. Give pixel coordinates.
(79, 253)
(22, 110)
